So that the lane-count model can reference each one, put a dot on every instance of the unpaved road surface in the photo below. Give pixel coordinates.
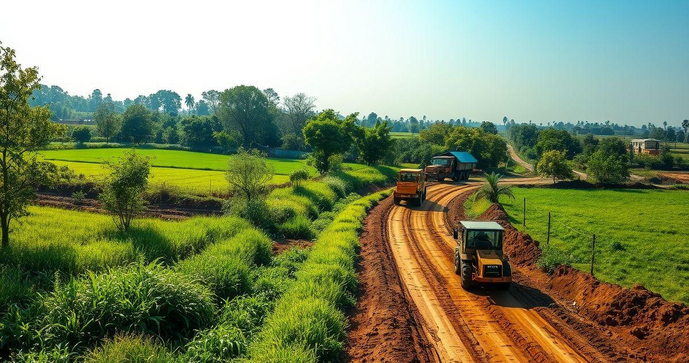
(477, 326)
(515, 157)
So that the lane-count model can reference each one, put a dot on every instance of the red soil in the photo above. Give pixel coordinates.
(657, 330)
(382, 327)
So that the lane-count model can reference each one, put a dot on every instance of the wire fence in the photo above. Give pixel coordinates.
(555, 225)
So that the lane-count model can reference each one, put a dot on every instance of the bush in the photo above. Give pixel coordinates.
(226, 276)
(133, 348)
(122, 192)
(298, 227)
(247, 312)
(337, 185)
(137, 298)
(296, 177)
(81, 134)
(551, 258)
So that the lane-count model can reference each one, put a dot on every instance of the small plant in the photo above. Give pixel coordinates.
(551, 258)
(78, 197)
(296, 177)
(134, 348)
(491, 190)
(298, 227)
(123, 190)
(617, 246)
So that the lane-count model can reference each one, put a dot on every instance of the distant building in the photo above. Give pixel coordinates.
(646, 146)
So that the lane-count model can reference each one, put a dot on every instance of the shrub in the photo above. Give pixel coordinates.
(551, 258)
(247, 312)
(81, 134)
(122, 193)
(298, 227)
(137, 298)
(296, 177)
(218, 344)
(134, 348)
(250, 245)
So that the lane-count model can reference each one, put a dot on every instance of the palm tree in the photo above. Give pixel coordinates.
(189, 101)
(492, 191)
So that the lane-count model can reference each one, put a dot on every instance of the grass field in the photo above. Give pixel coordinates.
(402, 135)
(191, 172)
(642, 236)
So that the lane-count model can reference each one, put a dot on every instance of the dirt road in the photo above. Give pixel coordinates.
(515, 157)
(481, 325)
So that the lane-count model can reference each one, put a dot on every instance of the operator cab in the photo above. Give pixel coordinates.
(479, 257)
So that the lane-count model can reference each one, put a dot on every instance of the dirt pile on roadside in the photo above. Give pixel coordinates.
(648, 324)
(522, 249)
(382, 327)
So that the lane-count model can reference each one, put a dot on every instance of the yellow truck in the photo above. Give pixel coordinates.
(479, 258)
(411, 186)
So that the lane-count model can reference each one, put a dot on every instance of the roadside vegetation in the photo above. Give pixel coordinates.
(629, 234)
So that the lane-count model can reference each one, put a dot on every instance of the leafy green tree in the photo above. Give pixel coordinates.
(189, 102)
(23, 130)
(553, 164)
(227, 140)
(657, 133)
(123, 190)
(202, 108)
(685, 126)
(212, 99)
(247, 110)
(374, 143)
(523, 136)
(328, 135)
(81, 134)
(435, 134)
(107, 120)
(414, 125)
(489, 127)
(137, 125)
(491, 190)
(552, 139)
(198, 131)
(249, 173)
(296, 177)
(670, 135)
(613, 146)
(607, 168)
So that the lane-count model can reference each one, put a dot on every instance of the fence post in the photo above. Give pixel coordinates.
(593, 252)
(548, 240)
(524, 215)
(210, 186)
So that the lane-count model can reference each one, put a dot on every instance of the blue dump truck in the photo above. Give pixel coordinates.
(456, 165)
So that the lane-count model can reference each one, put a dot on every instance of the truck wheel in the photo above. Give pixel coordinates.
(424, 193)
(467, 270)
(458, 266)
(466, 175)
(419, 201)
(456, 177)
(396, 200)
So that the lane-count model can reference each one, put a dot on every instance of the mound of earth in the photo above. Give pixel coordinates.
(648, 324)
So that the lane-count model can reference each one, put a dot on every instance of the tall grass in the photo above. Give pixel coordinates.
(308, 323)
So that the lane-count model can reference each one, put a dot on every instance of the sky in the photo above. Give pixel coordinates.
(626, 61)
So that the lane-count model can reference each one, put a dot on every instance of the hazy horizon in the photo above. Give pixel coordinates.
(623, 61)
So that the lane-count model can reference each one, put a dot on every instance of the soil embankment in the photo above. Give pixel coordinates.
(382, 327)
(648, 325)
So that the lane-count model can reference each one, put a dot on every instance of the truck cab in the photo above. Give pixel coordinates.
(411, 186)
(479, 256)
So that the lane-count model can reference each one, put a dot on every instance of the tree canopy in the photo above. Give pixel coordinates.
(247, 110)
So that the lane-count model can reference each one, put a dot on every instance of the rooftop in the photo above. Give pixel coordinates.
(487, 226)
(462, 156)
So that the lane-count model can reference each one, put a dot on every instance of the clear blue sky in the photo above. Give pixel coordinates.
(623, 61)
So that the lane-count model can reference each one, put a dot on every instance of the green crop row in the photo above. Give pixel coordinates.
(308, 323)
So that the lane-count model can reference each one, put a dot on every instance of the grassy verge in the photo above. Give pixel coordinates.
(308, 323)
(633, 245)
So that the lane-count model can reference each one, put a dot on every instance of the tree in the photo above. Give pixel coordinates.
(137, 125)
(248, 174)
(81, 134)
(413, 125)
(491, 190)
(212, 99)
(670, 135)
(272, 96)
(435, 134)
(609, 169)
(23, 130)
(198, 131)
(202, 108)
(298, 109)
(107, 120)
(685, 126)
(95, 99)
(553, 164)
(551, 139)
(189, 102)
(489, 127)
(123, 190)
(328, 135)
(296, 177)
(247, 110)
(374, 143)
(657, 133)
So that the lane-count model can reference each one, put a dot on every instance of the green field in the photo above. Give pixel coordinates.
(402, 135)
(634, 243)
(190, 172)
